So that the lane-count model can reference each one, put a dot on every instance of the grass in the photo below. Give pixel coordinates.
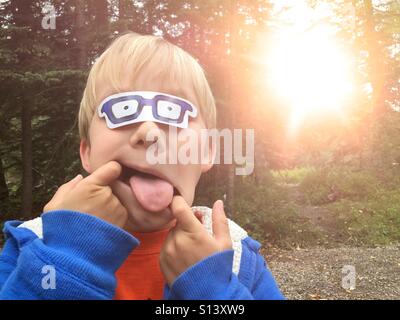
(294, 176)
(365, 206)
(371, 222)
(329, 184)
(266, 213)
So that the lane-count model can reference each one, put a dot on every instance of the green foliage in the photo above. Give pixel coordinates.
(264, 211)
(383, 148)
(295, 175)
(375, 221)
(35, 75)
(326, 185)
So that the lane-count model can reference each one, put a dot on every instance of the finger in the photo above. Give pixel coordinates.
(184, 215)
(72, 183)
(105, 175)
(164, 260)
(69, 185)
(220, 223)
(61, 191)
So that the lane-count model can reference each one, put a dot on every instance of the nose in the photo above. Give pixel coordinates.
(145, 135)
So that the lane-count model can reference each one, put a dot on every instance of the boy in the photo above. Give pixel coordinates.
(126, 231)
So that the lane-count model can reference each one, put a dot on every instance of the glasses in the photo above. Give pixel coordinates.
(126, 108)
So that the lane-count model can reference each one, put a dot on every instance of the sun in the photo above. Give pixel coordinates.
(310, 70)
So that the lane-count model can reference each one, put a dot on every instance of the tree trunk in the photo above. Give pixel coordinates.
(80, 34)
(376, 66)
(233, 91)
(101, 15)
(22, 16)
(260, 166)
(27, 178)
(122, 15)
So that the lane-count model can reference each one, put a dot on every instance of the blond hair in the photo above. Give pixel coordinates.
(148, 63)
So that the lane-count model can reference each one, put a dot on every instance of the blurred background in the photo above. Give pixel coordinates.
(318, 81)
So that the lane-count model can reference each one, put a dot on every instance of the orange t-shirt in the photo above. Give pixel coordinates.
(140, 277)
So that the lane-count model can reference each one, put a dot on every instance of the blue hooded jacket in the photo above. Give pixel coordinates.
(82, 253)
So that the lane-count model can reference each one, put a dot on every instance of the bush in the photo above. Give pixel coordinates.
(330, 184)
(264, 211)
(372, 222)
(295, 175)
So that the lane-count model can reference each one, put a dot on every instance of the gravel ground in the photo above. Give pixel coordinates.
(316, 273)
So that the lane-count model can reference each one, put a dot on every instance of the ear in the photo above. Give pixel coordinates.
(84, 151)
(208, 162)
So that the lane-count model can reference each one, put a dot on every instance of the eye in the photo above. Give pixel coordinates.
(169, 110)
(124, 108)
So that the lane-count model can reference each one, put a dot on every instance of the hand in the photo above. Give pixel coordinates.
(92, 195)
(189, 242)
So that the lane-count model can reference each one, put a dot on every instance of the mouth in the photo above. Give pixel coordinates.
(152, 190)
(128, 172)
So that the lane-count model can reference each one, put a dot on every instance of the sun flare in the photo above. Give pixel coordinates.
(310, 71)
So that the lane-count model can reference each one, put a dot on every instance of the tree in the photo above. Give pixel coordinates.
(377, 65)
(22, 16)
(80, 34)
(27, 54)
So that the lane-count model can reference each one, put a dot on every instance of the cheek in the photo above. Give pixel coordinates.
(190, 174)
(190, 147)
(104, 143)
(189, 177)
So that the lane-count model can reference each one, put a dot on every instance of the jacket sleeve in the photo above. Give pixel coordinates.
(8, 260)
(213, 279)
(265, 286)
(76, 259)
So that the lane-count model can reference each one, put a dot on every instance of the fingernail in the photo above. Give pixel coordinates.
(199, 216)
(79, 176)
(219, 204)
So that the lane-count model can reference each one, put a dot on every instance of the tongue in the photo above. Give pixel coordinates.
(153, 194)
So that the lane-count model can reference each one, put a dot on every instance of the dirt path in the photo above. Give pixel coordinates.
(319, 217)
(316, 272)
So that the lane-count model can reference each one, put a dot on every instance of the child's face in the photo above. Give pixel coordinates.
(127, 145)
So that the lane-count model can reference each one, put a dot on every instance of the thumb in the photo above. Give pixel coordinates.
(61, 191)
(184, 215)
(220, 225)
(105, 174)
(72, 183)
(66, 187)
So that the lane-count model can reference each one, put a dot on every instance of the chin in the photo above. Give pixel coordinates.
(140, 220)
